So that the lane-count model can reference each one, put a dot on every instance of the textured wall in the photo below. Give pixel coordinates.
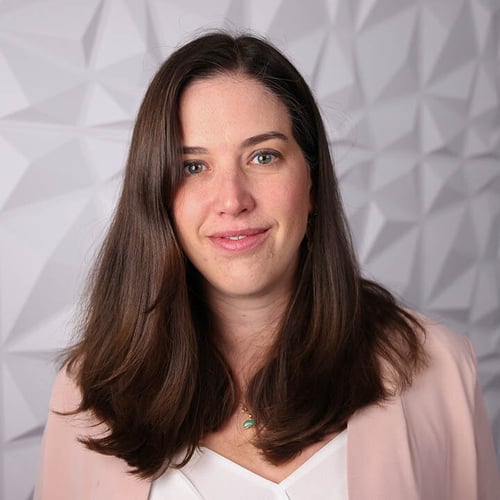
(410, 91)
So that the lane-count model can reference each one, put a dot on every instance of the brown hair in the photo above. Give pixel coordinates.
(146, 362)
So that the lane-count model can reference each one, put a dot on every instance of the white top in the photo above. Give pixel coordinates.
(210, 476)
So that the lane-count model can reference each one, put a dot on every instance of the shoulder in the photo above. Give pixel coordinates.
(64, 404)
(450, 370)
(449, 355)
(68, 469)
(66, 395)
(440, 339)
(437, 430)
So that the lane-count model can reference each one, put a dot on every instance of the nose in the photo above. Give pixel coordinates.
(233, 193)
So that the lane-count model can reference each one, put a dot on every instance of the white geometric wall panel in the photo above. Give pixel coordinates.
(410, 90)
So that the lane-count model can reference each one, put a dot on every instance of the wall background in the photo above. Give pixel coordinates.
(410, 90)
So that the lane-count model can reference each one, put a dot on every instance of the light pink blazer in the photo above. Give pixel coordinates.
(431, 443)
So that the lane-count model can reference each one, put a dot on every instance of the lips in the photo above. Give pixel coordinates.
(239, 240)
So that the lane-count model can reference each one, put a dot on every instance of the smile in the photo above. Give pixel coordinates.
(239, 241)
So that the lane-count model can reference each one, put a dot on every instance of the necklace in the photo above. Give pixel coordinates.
(249, 422)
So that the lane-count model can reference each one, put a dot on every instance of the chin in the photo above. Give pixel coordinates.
(240, 287)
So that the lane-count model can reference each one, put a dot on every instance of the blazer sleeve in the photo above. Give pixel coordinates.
(488, 477)
(67, 468)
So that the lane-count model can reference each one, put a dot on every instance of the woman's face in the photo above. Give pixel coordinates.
(241, 211)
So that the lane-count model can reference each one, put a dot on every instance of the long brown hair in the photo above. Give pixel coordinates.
(146, 362)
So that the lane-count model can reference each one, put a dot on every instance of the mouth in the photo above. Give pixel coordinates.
(238, 234)
(239, 240)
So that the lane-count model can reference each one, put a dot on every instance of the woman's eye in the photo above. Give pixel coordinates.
(193, 167)
(265, 158)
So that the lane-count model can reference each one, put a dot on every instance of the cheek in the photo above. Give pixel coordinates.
(182, 216)
(292, 204)
(189, 211)
(177, 209)
(190, 201)
(296, 198)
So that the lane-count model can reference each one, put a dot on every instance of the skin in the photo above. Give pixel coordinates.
(240, 215)
(244, 175)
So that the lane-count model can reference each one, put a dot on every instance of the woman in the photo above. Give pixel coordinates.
(230, 347)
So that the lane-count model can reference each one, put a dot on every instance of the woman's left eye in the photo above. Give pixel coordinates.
(264, 157)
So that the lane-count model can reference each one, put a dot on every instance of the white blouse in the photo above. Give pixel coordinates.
(210, 476)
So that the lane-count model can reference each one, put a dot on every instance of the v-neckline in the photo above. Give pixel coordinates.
(338, 440)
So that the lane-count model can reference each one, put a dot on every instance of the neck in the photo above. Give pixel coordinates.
(247, 329)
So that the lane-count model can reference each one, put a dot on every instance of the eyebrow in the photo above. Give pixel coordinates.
(251, 141)
(257, 139)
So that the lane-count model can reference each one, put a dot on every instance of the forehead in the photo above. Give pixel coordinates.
(230, 106)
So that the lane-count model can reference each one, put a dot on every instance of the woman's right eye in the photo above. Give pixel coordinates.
(193, 167)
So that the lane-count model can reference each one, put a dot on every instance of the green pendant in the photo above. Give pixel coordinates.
(248, 423)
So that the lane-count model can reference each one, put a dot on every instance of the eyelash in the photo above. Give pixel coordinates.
(264, 152)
